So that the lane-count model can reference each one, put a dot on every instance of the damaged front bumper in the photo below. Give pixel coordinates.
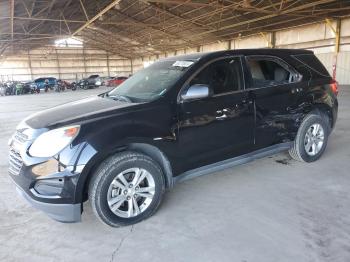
(53, 194)
(48, 184)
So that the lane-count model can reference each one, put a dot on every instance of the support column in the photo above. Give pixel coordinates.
(337, 36)
(58, 65)
(132, 66)
(30, 66)
(109, 71)
(337, 47)
(269, 41)
(273, 39)
(84, 63)
(336, 32)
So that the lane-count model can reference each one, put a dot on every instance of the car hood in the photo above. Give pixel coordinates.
(79, 111)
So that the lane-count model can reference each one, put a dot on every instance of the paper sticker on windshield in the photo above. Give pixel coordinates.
(183, 63)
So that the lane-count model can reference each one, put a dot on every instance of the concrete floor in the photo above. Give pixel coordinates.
(273, 209)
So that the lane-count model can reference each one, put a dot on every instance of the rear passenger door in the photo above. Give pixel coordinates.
(276, 89)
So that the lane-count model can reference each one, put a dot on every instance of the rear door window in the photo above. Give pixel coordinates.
(270, 71)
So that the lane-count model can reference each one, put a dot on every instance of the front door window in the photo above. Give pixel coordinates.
(222, 76)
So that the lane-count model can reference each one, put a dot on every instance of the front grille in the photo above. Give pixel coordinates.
(15, 161)
(20, 137)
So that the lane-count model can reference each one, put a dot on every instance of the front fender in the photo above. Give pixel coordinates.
(100, 143)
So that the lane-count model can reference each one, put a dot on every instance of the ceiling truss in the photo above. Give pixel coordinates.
(135, 28)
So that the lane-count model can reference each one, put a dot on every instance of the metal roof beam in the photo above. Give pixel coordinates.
(261, 18)
(168, 12)
(41, 19)
(97, 16)
(84, 10)
(151, 27)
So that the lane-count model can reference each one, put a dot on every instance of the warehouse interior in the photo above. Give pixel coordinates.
(272, 209)
(120, 37)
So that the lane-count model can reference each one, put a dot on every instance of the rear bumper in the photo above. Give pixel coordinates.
(66, 213)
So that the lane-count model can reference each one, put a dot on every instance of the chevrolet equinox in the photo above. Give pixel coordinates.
(179, 118)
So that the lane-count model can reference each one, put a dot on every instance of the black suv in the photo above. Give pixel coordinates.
(90, 82)
(177, 119)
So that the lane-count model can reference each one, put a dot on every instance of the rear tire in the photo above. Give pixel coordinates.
(311, 139)
(126, 189)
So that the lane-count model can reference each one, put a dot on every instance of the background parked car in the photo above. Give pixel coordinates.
(30, 88)
(105, 79)
(46, 82)
(116, 81)
(92, 81)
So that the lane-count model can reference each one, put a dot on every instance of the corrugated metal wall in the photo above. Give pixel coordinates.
(64, 63)
(327, 59)
(70, 64)
(343, 68)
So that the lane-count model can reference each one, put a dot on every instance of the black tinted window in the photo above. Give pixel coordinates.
(312, 62)
(267, 72)
(222, 76)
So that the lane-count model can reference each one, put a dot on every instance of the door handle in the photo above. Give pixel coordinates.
(297, 90)
(247, 101)
(221, 114)
(224, 116)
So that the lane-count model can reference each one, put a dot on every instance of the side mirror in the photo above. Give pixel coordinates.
(195, 92)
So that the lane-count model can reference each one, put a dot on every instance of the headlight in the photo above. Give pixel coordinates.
(52, 142)
(98, 83)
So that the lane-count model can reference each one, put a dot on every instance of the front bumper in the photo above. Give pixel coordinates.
(49, 184)
(53, 198)
(66, 213)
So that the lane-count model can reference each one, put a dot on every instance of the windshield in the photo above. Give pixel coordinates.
(151, 82)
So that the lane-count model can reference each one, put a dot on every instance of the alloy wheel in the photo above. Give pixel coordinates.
(314, 139)
(131, 192)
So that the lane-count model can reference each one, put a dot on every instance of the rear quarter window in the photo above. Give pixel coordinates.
(312, 62)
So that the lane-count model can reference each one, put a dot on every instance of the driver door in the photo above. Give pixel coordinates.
(220, 126)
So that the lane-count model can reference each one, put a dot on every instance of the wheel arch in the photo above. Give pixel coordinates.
(324, 109)
(150, 150)
(157, 155)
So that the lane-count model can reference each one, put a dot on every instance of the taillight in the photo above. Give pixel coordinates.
(334, 87)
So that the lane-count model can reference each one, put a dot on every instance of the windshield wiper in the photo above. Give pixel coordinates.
(119, 98)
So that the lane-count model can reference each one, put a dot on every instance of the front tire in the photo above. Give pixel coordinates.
(126, 189)
(311, 139)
